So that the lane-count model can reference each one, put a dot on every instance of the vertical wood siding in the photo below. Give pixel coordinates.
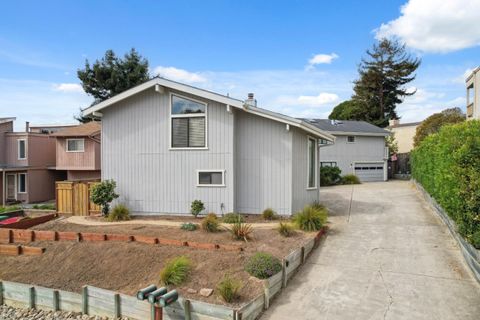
(301, 196)
(40, 185)
(11, 150)
(4, 127)
(41, 151)
(87, 160)
(150, 177)
(364, 149)
(263, 161)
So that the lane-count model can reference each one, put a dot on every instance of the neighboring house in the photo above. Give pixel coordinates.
(359, 148)
(78, 151)
(473, 95)
(24, 161)
(167, 144)
(404, 134)
(49, 128)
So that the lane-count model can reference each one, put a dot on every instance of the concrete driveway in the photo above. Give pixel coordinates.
(387, 256)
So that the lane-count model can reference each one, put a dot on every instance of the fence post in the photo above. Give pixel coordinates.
(303, 255)
(186, 306)
(284, 273)
(266, 290)
(31, 297)
(1, 293)
(116, 299)
(85, 299)
(56, 302)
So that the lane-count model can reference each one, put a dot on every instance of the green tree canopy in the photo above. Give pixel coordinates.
(348, 110)
(437, 120)
(112, 75)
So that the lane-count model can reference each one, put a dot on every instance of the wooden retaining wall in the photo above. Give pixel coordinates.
(29, 222)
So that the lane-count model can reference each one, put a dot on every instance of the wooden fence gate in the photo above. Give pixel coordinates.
(73, 198)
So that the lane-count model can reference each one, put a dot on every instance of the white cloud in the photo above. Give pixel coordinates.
(68, 87)
(436, 26)
(180, 75)
(322, 59)
(322, 99)
(461, 78)
(422, 95)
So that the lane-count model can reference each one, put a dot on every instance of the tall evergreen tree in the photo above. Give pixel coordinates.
(112, 75)
(382, 79)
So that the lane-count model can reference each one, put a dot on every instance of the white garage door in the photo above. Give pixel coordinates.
(369, 171)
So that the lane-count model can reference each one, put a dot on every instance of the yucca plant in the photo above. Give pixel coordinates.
(176, 271)
(310, 218)
(241, 231)
(229, 288)
(285, 229)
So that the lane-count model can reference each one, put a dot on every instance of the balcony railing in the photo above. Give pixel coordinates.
(470, 110)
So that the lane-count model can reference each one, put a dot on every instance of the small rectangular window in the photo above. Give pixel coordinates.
(351, 139)
(328, 164)
(211, 178)
(22, 183)
(312, 163)
(22, 149)
(75, 145)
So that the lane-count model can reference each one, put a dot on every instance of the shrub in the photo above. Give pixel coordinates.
(285, 229)
(197, 207)
(119, 213)
(229, 288)
(269, 214)
(476, 239)
(175, 271)
(232, 218)
(350, 179)
(329, 176)
(189, 226)
(317, 205)
(9, 208)
(447, 165)
(103, 193)
(263, 265)
(241, 231)
(46, 206)
(210, 223)
(310, 218)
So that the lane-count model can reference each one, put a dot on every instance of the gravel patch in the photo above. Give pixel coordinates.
(10, 313)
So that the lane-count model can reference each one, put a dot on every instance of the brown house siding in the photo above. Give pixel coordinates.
(11, 149)
(87, 160)
(40, 185)
(83, 175)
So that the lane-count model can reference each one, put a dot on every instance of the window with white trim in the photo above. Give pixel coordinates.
(312, 163)
(22, 183)
(188, 123)
(75, 145)
(328, 164)
(22, 149)
(351, 139)
(212, 178)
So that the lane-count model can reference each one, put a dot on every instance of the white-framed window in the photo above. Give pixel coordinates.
(188, 122)
(312, 163)
(75, 145)
(211, 178)
(350, 139)
(22, 149)
(22, 183)
(328, 164)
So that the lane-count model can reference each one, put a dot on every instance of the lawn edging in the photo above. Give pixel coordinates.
(470, 254)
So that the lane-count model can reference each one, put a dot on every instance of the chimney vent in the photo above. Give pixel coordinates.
(27, 126)
(251, 101)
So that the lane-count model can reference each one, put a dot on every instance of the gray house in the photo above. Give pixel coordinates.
(166, 144)
(359, 148)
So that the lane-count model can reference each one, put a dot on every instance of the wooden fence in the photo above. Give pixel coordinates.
(73, 198)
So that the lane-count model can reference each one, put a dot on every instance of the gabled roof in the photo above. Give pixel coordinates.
(236, 103)
(4, 120)
(84, 130)
(347, 127)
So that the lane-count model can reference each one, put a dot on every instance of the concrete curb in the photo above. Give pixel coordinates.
(471, 255)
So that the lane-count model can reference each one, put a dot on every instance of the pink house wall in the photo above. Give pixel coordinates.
(40, 150)
(87, 160)
(40, 185)
(11, 149)
(4, 127)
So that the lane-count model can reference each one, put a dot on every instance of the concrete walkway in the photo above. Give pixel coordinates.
(387, 256)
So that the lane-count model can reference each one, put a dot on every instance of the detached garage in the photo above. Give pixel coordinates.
(359, 148)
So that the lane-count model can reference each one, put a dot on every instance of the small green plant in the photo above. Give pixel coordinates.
(210, 223)
(232, 217)
(189, 226)
(175, 271)
(269, 214)
(476, 240)
(103, 193)
(310, 218)
(329, 176)
(46, 206)
(317, 205)
(197, 207)
(285, 229)
(350, 179)
(228, 288)
(241, 231)
(263, 265)
(119, 213)
(9, 208)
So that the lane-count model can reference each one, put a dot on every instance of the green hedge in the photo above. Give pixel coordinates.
(447, 164)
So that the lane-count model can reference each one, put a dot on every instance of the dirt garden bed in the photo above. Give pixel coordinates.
(128, 266)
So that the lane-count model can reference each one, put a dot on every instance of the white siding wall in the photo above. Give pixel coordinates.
(150, 177)
(301, 196)
(364, 149)
(263, 161)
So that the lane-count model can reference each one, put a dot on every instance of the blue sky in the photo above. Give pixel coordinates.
(299, 57)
